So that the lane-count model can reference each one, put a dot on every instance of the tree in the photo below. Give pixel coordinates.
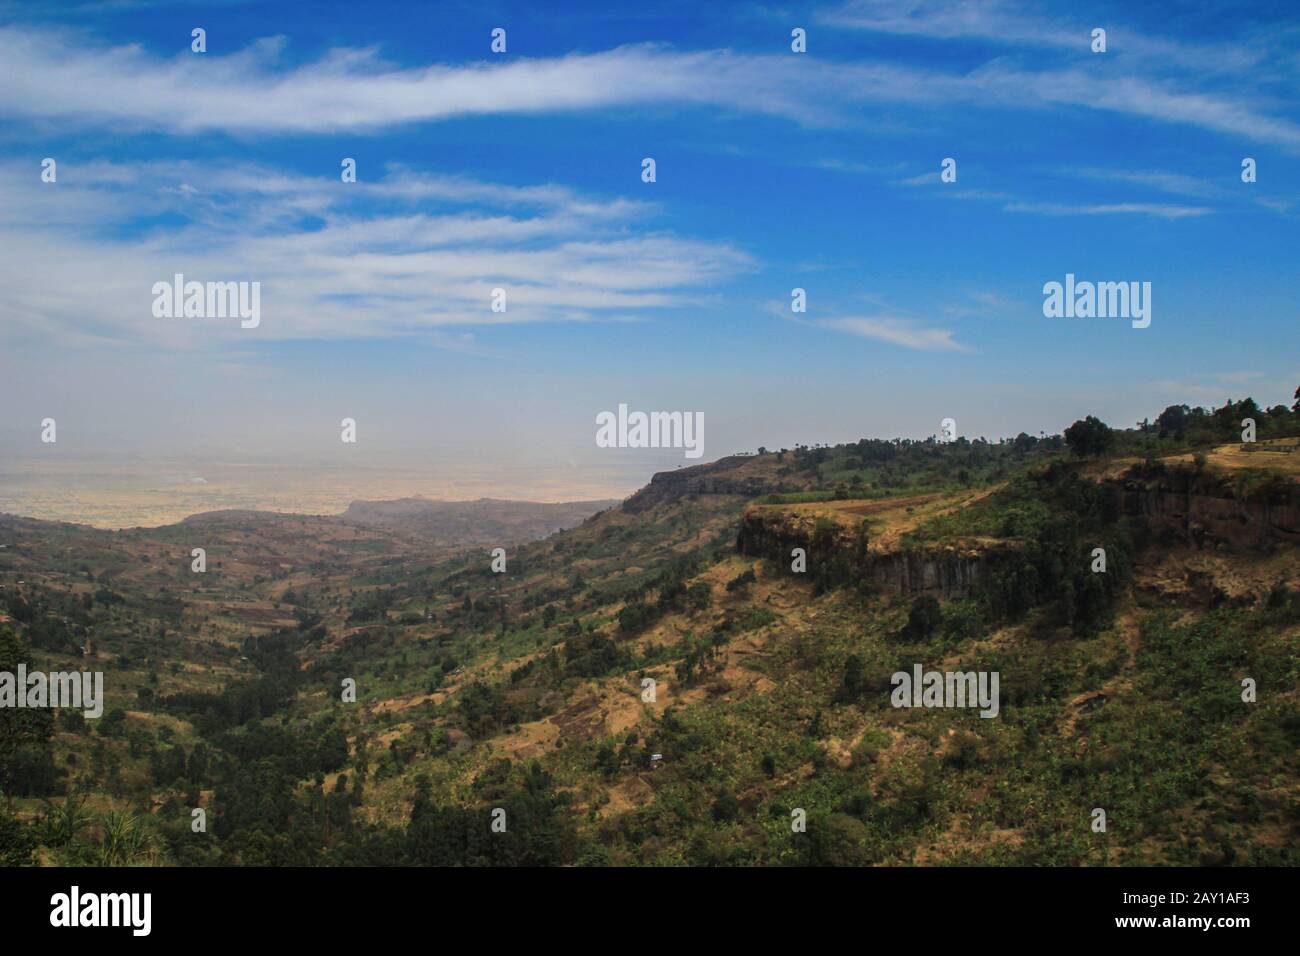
(741, 581)
(635, 616)
(607, 761)
(331, 750)
(853, 685)
(1172, 421)
(699, 596)
(924, 618)
(16, 843)
(26, 754)
(726, 808)
(1091, 436)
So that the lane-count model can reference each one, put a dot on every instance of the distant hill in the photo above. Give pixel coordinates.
(482, 522)
(671, 681)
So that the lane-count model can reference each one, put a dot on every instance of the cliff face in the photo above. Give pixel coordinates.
(749, 476)
(1179, 506)
(839, 556)
(942, 572)
(1209, 511)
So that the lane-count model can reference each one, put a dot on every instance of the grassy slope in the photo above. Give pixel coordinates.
(1142, 718)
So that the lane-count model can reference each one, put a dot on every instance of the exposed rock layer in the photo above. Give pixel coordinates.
(1211, 511)
(943, 570)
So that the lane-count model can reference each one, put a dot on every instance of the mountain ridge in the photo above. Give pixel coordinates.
(525, 689)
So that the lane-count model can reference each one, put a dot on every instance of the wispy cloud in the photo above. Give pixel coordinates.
(950, 190)
(980, 304)
(1179, 184)
(1160, 210)
(405, 254)
(950, 20)
(1280, 206)
(896, 331)
(849, 166)
(58, 75)
(51, 76)
(1029, 24)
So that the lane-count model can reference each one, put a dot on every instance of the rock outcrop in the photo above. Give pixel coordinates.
(737, 475)
(1211, 510)
(837, 555)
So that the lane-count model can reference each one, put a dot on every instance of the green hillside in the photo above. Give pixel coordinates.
(771, 737)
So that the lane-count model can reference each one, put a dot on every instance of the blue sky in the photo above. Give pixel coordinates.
(522, 170)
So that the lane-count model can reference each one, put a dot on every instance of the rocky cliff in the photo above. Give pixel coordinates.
(746, 475)
(1177, 504)
(1211, 510)
(839, 555)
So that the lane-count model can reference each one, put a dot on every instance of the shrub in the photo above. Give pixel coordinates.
(924, 617)
(726, 808)
(742, 581)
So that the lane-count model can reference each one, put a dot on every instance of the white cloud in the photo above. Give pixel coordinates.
(50, 77)
(981, 304)
(58, 75)
(921, 179)
(896, 331)
(950, 20)
(394, 257)
(1021, 24)
(1177, 183)
(1161, 210)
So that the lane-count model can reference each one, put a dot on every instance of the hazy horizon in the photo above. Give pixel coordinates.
(134, 489)
(461, 251)
(141, 493)
(524, 172)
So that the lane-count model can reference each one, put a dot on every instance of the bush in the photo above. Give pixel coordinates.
(726, 808)
(16, 843)
(742, 581)
(962, 620)
(699, 596)
(839, 840)
(924, 618)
